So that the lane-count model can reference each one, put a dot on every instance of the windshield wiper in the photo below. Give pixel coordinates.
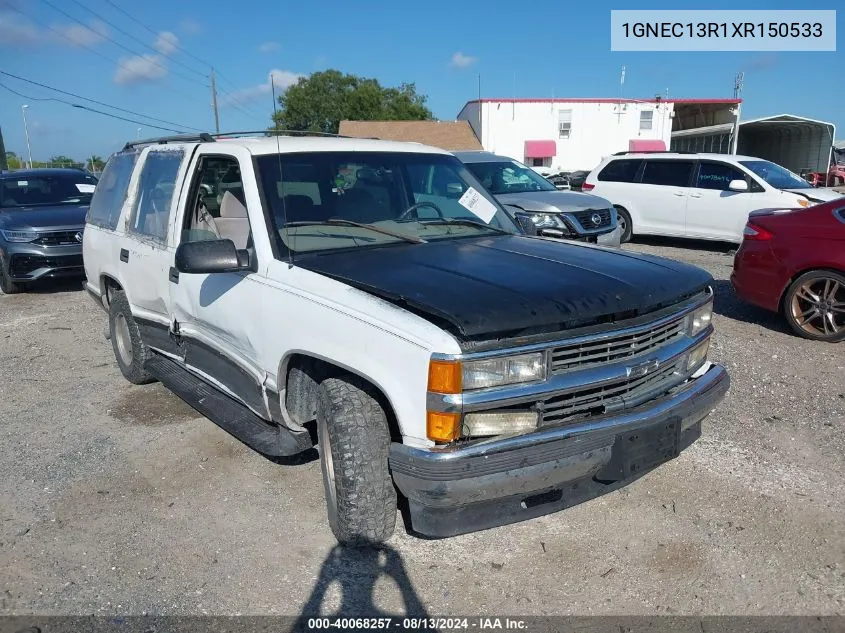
(463, 222)
(341, 222)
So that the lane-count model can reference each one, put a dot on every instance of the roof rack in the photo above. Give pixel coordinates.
(202, 137)
(653, 151)
(276, 133)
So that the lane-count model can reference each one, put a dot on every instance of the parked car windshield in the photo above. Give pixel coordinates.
(40, 190)
(315, 199)
(509, 177)
(775, 175)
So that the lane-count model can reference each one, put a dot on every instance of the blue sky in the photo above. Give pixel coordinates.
(523, 49)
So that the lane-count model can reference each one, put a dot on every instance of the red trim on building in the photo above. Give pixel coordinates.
(540, 149)
(605, 100)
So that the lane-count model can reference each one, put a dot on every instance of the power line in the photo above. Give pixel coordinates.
(135, 39)
(233, 99)
(84, 107)
(116, 43)
(101, 103)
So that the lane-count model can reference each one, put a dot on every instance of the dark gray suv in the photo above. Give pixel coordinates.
(42, 217)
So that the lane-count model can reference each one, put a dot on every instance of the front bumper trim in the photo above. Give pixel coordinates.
(499, 481)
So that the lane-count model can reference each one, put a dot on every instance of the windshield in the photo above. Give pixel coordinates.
(331, 200)
(775, 175)
(509, 177)
(39, 190)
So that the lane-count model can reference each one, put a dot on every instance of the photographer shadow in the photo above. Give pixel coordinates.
(355, 572)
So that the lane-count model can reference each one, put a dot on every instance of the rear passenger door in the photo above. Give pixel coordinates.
(144, 256)
(662, 196)
(218, 316)
(713, 210)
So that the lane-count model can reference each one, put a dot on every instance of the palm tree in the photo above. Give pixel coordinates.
(95, 164)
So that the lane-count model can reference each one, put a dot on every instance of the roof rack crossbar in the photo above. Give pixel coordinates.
(202, 137)
(653, 151)
(269, 132)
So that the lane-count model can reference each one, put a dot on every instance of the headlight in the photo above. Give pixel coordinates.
(546, 220)
(701, 318)
(511, 423)
(508, 370)
(20, 236)
(698, 355)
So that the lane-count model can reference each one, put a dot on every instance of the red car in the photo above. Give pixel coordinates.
(792, 261)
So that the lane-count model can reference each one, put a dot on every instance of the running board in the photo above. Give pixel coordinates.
(236, 419)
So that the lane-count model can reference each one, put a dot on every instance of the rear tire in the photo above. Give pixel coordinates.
(624, 220)
(814, 306)
(129, 350)
(354, 442)
(8, 286)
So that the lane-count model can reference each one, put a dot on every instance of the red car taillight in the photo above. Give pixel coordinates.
(754, 232)
(587, 187)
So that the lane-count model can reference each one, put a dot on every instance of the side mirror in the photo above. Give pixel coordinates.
(211, 256)
(738, 185)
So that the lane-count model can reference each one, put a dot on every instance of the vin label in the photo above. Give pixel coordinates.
(683, 30)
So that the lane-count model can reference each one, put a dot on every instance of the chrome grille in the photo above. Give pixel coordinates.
(585, 218)
(58, 238)
(589, 353)
(593, 400)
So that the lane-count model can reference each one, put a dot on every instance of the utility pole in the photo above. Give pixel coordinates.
(739, 82)
(214, 103)
(26, 131)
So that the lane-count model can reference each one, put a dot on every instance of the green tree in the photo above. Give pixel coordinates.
(13, 161)
(62, 161)
(319, 103)
(95, 164)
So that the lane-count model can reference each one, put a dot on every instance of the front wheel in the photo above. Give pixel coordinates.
(354, 441)
(623, 218)
(814, 306)
(8, 286)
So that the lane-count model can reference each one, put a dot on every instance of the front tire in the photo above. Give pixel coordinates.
(814, 306)
(8, 286)
(624, 220)
(129, 350)
(354, 442)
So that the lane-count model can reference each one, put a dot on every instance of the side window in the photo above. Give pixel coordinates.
(620, 171)
(440, 185)
(564, 123)
(155, 193)
(111, 190)
(671, 173)
(646, 118)
(717, 176)
(219, 209)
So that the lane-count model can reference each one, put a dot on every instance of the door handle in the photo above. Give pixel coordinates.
(174, 275)
(695, 195)
(680, 193)
(124, 255)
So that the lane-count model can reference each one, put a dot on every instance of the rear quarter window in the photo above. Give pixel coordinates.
(620, 171)
(111, 191)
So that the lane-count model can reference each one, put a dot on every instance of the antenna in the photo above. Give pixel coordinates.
(281, 178)
(739, 82)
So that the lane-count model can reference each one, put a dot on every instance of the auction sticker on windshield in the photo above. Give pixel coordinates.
(473, 201)
(83, 188)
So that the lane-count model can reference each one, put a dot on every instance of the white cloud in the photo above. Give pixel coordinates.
(79, 35)
(191, 26)
(269, 47)
(140, 69)
(16, 32)
(459, 60)
(166, 43)
(281, 79)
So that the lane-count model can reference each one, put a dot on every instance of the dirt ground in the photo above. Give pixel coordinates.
(117, 499)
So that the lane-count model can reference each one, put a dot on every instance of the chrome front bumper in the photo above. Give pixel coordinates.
(485, 484)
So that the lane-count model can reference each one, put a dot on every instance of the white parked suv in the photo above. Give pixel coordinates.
(704, 196)
(371, 298)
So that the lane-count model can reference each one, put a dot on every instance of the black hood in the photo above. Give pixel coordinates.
(503, 286)
(40, 218)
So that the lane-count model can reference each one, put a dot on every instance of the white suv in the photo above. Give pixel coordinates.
(373, 298)
(704, 196)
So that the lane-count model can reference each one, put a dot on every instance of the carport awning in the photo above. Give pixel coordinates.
(540, 149)
(646, 145)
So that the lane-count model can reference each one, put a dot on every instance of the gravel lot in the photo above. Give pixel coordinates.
(119, 499)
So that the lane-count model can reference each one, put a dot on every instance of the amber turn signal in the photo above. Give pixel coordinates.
(443, 427)
(444, 376)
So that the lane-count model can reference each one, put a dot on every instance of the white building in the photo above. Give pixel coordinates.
(573, 134)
